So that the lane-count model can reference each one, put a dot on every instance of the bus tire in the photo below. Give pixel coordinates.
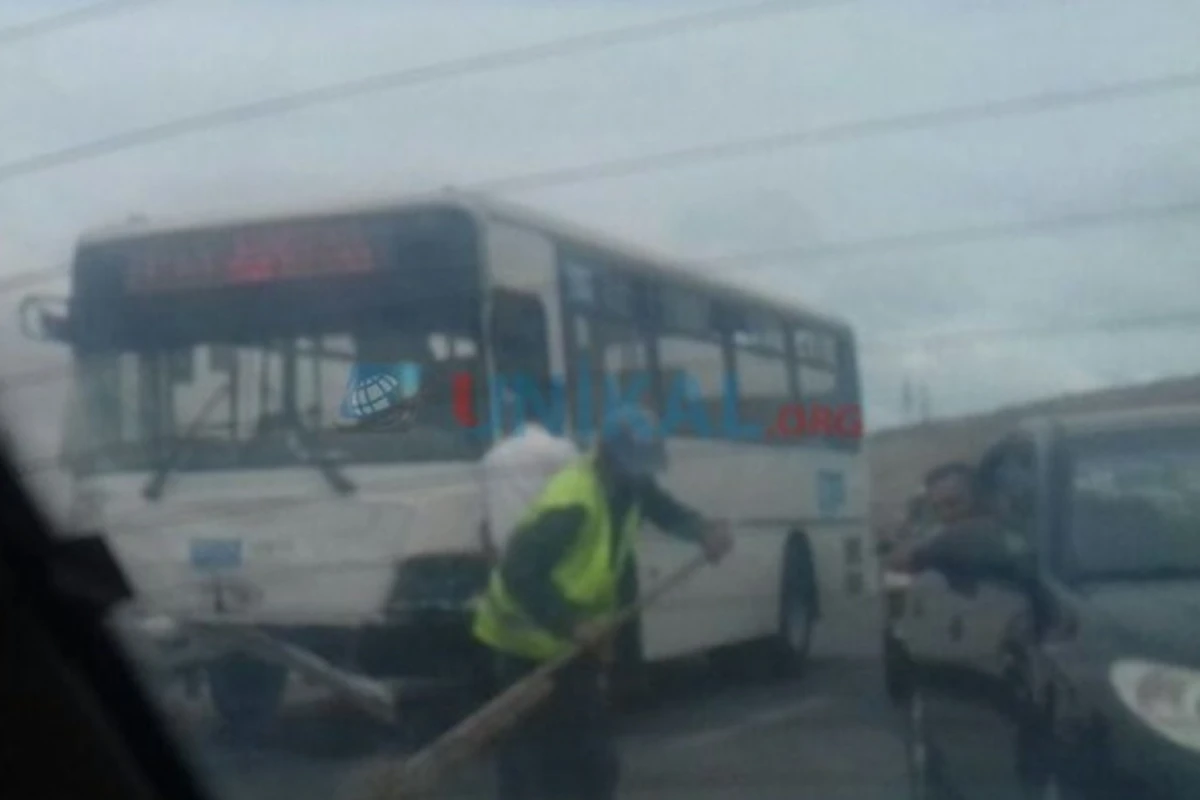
(245, 692)
(797, 610)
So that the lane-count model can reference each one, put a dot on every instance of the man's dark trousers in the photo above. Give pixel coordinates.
(564, 750)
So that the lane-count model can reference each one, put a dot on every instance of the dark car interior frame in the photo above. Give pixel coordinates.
(75, 721)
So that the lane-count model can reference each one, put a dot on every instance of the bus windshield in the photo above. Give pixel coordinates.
(235, 406)
(277, 344)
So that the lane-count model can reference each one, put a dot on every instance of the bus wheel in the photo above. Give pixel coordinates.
(245, 692)
(797, 612)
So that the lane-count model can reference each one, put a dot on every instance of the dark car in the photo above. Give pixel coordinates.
(1052, 648)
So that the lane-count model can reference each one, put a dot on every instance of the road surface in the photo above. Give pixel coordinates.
(828, 735)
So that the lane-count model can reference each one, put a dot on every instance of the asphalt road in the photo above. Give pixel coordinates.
(827, 735)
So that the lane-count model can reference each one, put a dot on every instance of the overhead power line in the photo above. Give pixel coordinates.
(282, 104)
(45, 26)
(844, 132)
(916, 240)
(970, 336)
(632, 165)
(859, 129)
(971, 234)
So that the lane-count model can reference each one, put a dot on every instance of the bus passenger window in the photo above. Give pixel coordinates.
(817, 383)
(692, 372)
(692, 384)
(761, 368)
(618, 361)
(762, 387)
(817, 363)
(608, 341)
(519, 335)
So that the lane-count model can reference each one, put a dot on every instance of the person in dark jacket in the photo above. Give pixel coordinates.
(563, 574)
(950, 491)
(978, 515)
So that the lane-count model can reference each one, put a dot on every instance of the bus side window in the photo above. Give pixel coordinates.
(518, 334)
(625, 361)
(520, 349)
(607, 342)
(817, 362)
(693, 375)
(616, 354)
(826, 382)
(763, 382)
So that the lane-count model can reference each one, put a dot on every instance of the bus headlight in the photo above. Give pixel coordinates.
(1165, 698)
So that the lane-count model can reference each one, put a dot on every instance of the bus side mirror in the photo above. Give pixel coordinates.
(41, 322)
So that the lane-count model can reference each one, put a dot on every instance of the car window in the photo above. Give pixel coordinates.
(1135, 504)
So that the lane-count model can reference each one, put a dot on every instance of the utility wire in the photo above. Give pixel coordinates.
(844, 132)
(859, 129)
(970, 336)
(45, 26)
(621, 167)
(973, 234)
(696, 154)
(396, 79)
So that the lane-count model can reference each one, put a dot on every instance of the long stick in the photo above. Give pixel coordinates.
(413, 776)
(371, 697)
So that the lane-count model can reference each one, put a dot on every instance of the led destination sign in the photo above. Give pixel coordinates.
(248, 257)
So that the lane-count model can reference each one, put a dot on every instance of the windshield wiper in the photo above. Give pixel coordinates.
(154, 487)
(324, 464)
(153, 490)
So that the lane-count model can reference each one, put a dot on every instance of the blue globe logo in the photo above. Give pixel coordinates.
(372, 389)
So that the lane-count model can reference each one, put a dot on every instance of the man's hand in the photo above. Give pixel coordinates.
(717, 541)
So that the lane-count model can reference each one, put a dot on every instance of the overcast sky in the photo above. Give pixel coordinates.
(808, 68)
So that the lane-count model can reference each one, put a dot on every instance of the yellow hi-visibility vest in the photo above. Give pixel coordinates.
(588, 575)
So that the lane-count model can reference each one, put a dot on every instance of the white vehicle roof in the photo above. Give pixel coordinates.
(483, 208)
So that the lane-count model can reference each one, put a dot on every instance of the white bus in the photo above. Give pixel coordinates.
(210, 436)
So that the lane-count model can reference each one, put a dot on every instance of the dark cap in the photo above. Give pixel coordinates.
(632, 439)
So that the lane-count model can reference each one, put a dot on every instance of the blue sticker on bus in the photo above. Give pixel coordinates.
(215, 554)
(831, 493)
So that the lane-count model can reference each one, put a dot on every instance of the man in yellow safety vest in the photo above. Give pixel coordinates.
(560, 577)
